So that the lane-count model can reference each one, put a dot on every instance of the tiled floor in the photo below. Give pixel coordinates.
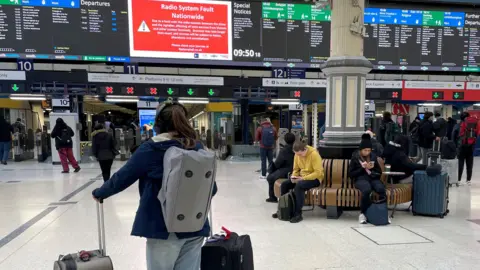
(41, 218)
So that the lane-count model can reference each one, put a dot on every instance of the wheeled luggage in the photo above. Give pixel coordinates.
(450, 167)
(430, 194)
(86, 260)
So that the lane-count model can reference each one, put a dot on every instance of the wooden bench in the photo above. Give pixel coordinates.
(338, 192)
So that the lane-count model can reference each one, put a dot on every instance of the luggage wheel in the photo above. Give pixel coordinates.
(414, 213)
(442, 216)
(457, 184)
(448, 211)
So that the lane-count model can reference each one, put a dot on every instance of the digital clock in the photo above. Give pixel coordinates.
(246, 53)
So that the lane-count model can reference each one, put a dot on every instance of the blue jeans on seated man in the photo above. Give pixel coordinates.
(4, 151)
(266, 153)
(174, 253)
(366, 184)
(299, 188)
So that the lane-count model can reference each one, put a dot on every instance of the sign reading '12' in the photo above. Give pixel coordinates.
(180, 29)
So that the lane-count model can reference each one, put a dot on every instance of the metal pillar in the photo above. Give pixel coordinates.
(315, 124)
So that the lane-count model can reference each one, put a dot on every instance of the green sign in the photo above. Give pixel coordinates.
(95, 58)
(11, 2)
(170, 91)
(471, 69)
(321, 14)
(211, 92)
(300, 12)
(437, 95)
(15, 87)
(190, 91)
(433, 18)
(274, 10)
(458, 95)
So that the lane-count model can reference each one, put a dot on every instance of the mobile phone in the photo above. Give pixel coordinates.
(372, 163)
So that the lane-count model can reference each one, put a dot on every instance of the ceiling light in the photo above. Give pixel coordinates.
(285, 101)
(430, 104)
(30, 97)
(193, 100)
(197, 115)
(121, 100)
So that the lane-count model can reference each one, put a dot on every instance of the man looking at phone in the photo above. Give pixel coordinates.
(365, 171)
(307, 174)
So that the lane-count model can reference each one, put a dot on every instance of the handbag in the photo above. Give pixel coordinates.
(377, 213)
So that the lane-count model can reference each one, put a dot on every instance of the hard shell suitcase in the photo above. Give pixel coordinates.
(433, 158)
(88, 260)
(450, 167)
(430, 194)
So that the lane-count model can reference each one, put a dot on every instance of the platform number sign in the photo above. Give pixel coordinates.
(60, 102)
(279, 73)
(24, 65)
(130, 68)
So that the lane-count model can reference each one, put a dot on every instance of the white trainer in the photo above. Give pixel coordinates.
(362, 219)
(263, 177)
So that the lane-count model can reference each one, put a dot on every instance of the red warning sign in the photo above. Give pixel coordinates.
(198, 29)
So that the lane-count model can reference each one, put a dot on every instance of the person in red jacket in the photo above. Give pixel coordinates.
(267, 136)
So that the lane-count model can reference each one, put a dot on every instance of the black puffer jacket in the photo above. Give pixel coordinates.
(355, 169)
(284, 161)
(426, 135)
(62, 128)
(103, 145)
(6, 131)
(396, 156)
(440, 127)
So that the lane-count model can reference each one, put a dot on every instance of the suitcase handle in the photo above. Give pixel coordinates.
(101, 228)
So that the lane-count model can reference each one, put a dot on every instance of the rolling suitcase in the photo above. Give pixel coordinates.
(86, 260)
(229, 252)
(450, 167)
(430, 194)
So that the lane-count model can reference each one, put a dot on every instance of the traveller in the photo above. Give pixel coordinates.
(282, 166)
(164, 250)
(426, 136)
(440, 126)
(103, 148)
(63, 142)
(267, 136)
(395, 154)
(450, 126)
(467, 138)
(6, 131)
(307, 174)
(414, 131)
(365, 171)
(388, 129)
(377, 147)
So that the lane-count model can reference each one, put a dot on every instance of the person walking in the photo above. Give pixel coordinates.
(6, 131)
(267, 135)
(172, 251)
(63, 142)
(103, 148)
(426, 136)
(414, 131)
(388, 129)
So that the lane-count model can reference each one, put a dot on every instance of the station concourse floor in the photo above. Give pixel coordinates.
(44, 213)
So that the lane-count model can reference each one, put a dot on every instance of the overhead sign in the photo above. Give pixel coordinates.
(384, 84)
(61, 102)
(307, 83)
(437, 95)
(473, 86)
(434, 85)
(147, 104)
(8, 75)
(154, 79)
(295, 107)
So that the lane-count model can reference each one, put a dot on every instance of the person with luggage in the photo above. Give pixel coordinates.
(63, 142)
(6, 131)
(103, 148)
(395, 154)
(365, 171)
(307, 174)
(467, 138)
(426, 136)
(267, 136)
(388, 129)
(165, 249)
(440, 126)
(282, 166)
(451, 123)
(414, 130)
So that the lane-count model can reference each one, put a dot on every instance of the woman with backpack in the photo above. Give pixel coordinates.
(63, 142)
(103, 148)
(164, 250)
(467, 138)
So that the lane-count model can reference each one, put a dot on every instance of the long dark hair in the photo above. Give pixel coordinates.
(173, 118)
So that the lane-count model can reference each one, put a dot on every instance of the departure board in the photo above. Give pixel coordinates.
(64, 29)
(422, 40)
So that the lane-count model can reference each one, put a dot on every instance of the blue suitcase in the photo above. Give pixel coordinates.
(430, 194)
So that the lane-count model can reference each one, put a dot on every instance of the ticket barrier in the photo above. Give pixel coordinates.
(297, 132)
(223, 152)
(281, 140)
(42, 145)
(22, 146)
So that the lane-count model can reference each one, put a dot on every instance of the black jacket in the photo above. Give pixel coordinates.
(355, 169)
(6, 131)
(426, 134)
(450, 126)
(103, 145)
(440, 127)
(284, 161)
(396, 156)
(383, 130)
(57, 131)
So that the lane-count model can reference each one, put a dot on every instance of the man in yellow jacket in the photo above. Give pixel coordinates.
(307, 174)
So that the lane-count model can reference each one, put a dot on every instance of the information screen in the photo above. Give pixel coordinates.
(64, 29)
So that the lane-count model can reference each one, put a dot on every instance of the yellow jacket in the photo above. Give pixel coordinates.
(310, 166)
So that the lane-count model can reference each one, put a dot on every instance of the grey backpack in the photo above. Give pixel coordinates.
(186, 193)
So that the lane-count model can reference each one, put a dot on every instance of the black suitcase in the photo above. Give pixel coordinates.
(232, 252)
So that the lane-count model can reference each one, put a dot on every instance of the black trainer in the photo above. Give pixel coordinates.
(77, 169)
(272, 200)
(275, 215)
(296, 219)
(65, 172)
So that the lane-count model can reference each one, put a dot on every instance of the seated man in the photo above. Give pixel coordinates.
(365, 171)
(395, 154)
(307, 174)
(282, 166)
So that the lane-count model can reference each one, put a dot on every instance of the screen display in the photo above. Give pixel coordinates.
(147, 120)
(237, 33)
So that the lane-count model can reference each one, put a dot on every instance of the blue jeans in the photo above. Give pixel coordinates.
(174, 253)
(4, 151)
(264, 155)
